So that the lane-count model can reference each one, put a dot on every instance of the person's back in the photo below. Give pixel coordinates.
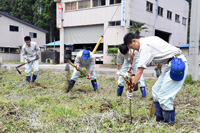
(156, 49)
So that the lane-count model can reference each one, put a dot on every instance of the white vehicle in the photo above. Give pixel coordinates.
(98, 55)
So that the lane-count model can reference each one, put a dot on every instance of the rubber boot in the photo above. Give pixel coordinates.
(169, 117)
(28, 78)
(94, 84)
(158, 112)
(34, 78)
(120, 90)
(143, 91)
(71, 85)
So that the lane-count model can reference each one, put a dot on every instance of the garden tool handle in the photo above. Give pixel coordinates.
(72, 64)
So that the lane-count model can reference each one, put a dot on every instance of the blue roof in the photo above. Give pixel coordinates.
(56, 43)
(22, 21)
(186, 45)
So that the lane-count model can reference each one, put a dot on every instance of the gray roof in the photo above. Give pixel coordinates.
(22, 21)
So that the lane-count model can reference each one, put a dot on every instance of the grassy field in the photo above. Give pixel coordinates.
(50, 109)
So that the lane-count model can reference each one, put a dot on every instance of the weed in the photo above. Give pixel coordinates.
(24, 109)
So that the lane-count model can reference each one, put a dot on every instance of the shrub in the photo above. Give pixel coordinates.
(113, 52)
(188, 80)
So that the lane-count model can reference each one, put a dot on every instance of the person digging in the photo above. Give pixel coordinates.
(83, 59)
(30, 51)
(129, 63)
(172, 78)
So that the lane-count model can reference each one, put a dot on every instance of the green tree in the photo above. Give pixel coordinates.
(137, 27)
(113, 52)
(45, 17)
(18, 8)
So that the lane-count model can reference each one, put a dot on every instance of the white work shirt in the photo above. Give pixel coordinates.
(90, 62)
(32, 50)
(121, 57)
(155, 49)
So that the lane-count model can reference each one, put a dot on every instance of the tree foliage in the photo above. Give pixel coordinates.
(41, 13)
(137, 27)
(113, 52)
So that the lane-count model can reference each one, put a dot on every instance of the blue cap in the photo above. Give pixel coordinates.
(177, 69)
(85, 55)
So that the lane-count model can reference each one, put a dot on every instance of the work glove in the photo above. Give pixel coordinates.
(158, 72)
(77, 68)
(127, 74)
(129, 94)
(118, 72)
(37, 57)
(28, 60)
(88, 76)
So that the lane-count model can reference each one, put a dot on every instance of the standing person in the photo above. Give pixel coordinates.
(172, 78)
(85, 59)
(124, 57)
(30, 51)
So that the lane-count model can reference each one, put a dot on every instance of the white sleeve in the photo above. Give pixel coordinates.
(145, 57)
(120, 58)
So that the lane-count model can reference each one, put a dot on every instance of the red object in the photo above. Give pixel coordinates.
(88, 76)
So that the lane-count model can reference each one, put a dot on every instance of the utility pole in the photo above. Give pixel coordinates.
(194, 40)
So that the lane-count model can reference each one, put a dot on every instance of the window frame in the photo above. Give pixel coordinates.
(114, 23)
(149, 6)
(14, 28)
(71, 6)
(33, 34)
(160, 11)
(169, 15)
(177, 18)
(184, 20)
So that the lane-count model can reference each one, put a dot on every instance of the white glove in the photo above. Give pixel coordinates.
(127, 74)
(129, 95)
(118, 72)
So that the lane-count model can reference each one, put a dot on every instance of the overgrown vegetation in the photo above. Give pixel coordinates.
(24, 109)
(113, 52)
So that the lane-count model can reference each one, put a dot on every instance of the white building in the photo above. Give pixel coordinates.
(12, 33)
(84, 21)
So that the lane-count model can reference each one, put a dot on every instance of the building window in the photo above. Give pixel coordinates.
(1, 50)
(160, 11)
(14, 28)
(184, 21)
(177, 18)
(9, 50)
(14, 50)
(169, 15)
(115, 23)
(70, 6)
(149, 7)
(98, 3)
(115, 2)
(33, 35)
(83, 4)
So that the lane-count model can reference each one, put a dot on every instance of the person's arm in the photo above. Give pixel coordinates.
(92, 64)
(120, 58)
(118, 67)
(137, 76)
(37, 49)
(158, 70)
(77, 60)
(24, 54)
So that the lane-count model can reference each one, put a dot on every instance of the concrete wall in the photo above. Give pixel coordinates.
(135, 11)
(9, 57)
(154, 22)
(186, 53)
